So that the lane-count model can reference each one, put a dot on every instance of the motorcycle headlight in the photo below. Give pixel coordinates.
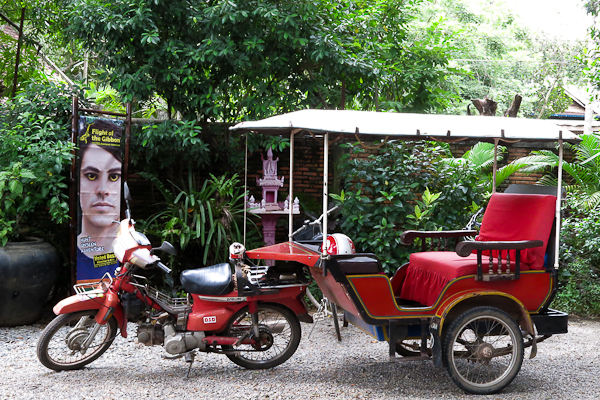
(140, 238)
(119, 249)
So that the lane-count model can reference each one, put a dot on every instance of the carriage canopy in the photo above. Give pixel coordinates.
(379, 125)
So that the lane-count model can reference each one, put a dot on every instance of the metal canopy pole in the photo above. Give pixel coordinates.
(325, 190)
(245, 187)
(558, 202)
(495, 168)
(291, 179)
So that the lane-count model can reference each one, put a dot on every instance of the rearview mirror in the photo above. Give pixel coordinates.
(127, 196)
(167, 248)
(126, 192)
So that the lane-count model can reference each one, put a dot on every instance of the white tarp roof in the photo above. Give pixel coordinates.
(409, 126)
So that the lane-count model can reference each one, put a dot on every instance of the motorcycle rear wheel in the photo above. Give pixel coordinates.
(280, 334)
(59, 344)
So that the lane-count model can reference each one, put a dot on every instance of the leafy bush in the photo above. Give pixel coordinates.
(579, 276)
(403, 186)
(169, 143)
(35, 157)
(29, 66)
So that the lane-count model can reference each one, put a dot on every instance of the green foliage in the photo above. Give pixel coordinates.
(579, 276)
(170, 143)
(48, 99)
(593, 61)
(582, 174)
(232, 60)
(403, 186)
(105, 96)
(202, 220)
(480, 159)
(500, 58)
(34, 159)
(29, 66)
(423, 212)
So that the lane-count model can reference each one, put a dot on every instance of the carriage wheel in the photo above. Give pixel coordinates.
(483, 350)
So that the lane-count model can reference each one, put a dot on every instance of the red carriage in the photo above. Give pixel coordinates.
(473, 309)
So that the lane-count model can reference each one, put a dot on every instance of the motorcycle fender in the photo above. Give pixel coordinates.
(298, 306)
(82, 302)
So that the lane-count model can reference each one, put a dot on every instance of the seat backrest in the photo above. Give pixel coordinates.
(541, 189)
(359, 264)
(511, 216)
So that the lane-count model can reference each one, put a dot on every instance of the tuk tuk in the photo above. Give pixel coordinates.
(472, 307)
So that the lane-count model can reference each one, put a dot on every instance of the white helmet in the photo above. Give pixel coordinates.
(338, 243)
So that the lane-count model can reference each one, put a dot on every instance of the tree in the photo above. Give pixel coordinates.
(228, 60)
(593, 67)
(502, 58)
(45, 47)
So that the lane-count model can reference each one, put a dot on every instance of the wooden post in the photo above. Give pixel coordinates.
(18, 56)
(73, 192)
(127, 140)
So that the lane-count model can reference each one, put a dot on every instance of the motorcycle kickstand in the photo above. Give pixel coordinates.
(189, 358)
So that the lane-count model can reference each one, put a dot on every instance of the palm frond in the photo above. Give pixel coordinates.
(548, 180)
(592, 200)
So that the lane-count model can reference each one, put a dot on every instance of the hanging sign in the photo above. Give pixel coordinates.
(99, 181)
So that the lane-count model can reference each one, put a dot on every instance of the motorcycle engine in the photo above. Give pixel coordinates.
(181, 342)
(132, 307)
(150, 334)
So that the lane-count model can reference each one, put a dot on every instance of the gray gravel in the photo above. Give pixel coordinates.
(567, 367)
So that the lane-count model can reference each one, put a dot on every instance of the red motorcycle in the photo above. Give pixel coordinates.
(251, 316)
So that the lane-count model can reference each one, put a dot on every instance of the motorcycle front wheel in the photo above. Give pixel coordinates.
(279, 337)
(59, 347)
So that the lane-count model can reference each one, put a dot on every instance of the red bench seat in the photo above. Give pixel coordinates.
(508, 217)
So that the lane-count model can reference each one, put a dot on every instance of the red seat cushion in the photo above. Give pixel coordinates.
(429, 272)
(508, 217)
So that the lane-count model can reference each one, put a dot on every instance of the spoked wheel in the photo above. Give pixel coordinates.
(279, 331)
(60, 346)
(483, 350)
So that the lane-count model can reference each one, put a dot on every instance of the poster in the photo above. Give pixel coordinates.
(100, 164)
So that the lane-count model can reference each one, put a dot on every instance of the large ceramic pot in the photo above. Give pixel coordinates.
(27, 272)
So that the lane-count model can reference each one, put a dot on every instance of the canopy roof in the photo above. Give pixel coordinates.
(378, 125)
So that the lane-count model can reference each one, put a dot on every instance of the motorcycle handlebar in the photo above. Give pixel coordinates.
(163, 267)
(315, 222)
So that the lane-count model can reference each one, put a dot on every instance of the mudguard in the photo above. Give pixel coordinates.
(94, 301)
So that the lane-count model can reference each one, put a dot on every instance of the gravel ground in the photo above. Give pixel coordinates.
(567, 367)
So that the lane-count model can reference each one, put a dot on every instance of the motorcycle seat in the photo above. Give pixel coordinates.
(214, 280)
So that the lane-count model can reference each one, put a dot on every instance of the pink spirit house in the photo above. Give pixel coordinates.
(269, 209)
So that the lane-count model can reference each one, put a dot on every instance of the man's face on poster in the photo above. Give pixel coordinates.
(100, 186)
